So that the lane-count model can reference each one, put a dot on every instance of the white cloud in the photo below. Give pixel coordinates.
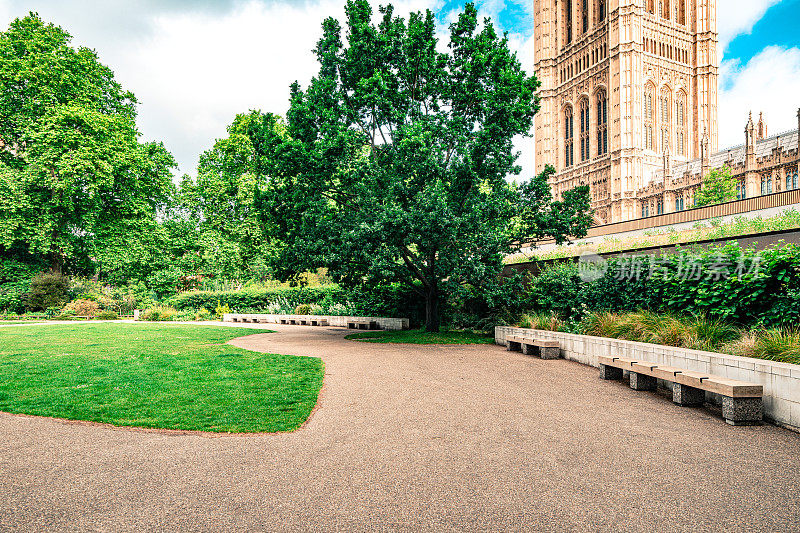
(769, 82)
(735, 17)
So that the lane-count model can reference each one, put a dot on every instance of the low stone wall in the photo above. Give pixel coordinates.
(339, 321)
(781, 381)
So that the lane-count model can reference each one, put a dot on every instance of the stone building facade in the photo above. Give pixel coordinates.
(629, 87)
(762, 165)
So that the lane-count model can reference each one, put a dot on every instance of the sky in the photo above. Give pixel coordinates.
(195, 64)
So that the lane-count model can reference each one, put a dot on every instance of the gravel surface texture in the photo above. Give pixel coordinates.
(415, 438)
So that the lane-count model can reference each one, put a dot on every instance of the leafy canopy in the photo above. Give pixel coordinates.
(74, 179)
(718, 187)
(396, 166)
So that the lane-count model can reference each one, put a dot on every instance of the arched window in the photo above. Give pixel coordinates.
(649, 119)
(766, 185)
(569, 148)
(601, 10)
(682, 12)
(584, 110)
(602, 123)
(568, 20)
(741, 191)
(664, 105)
(585, 15)
(651, 6)
(680, 123)
(663, 9)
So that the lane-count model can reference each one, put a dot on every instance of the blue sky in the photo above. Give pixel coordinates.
(194, 64)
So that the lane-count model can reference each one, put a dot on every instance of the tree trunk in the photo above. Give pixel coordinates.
(56, 263)
(432, 320)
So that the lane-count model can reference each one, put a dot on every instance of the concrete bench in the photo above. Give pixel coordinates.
(742, 402)
(362, 324)
(530, 346)
(317, 322)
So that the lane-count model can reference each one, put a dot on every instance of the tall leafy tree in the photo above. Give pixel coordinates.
(718, 187)
(75, 178)
(224, 199)
(399, 153)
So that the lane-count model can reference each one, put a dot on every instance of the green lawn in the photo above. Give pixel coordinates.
(418, 336)
(154, 376)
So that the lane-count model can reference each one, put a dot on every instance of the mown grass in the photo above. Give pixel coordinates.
(154, 376)
(419, 336)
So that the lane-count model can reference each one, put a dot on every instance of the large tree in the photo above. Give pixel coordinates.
(74, 176)
(225, 197)
(399, 157)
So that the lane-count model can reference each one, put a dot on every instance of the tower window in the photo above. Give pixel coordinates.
(585, 15)
(584, 130)
(682, 12)
(568, 145)
(648, 119)
(602, 123)
(601, 10)
(568, 17)
(680, 123)
(664, 101)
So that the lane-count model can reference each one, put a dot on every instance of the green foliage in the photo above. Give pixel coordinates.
(83, 308)
(764, 292)
(221, 310)
(718, 187)
(47, 290)
(159, 313)
(302, 309)
(107, 315)
(155, 376)
(75, 181)
(394, 170)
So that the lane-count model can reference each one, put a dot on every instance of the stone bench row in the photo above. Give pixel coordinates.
(742, 402)
(352, 322)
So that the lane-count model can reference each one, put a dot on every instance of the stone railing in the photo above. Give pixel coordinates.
(781, 381)
(337, 321)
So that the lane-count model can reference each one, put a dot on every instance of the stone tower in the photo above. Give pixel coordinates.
(625, 83)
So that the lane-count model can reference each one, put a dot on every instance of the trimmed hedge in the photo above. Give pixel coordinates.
(253, 298)
(730, 283)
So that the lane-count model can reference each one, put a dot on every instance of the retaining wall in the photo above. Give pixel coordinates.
(781, 381)
(340, 321)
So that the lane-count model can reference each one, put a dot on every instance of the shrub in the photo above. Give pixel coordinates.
(221, 310)
(47, 290)
(302, 309)
(83, 308)
(159, 313)
(107, 315)
(203, 314)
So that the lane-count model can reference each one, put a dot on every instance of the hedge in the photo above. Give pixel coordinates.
(738, 285)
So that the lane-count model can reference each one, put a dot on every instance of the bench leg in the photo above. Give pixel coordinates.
(687, 396)
(551, 352)
(610, 372)
(742, 411)
(642, 381)
(513, 346)
(529, 349)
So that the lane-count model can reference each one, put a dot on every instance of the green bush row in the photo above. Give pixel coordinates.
(740, 286)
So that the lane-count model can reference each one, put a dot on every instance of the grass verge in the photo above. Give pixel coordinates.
(418, 336)
(154, 376)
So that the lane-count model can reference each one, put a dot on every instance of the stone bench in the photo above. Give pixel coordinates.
(362, 324)
(320, 322)
(742, 402)
(530, 346)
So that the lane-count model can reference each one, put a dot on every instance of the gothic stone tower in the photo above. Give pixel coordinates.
(628, 87)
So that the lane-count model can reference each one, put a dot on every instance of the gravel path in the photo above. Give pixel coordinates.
(409, 438)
